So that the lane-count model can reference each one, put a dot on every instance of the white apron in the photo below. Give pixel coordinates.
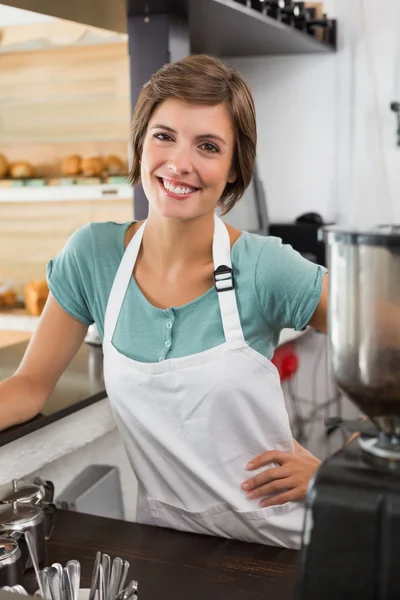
(190, 425)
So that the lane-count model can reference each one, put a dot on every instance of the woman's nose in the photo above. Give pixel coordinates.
(180, 162)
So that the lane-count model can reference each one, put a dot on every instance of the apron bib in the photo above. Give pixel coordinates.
(190, 425)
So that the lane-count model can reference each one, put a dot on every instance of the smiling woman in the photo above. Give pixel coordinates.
(190, 311)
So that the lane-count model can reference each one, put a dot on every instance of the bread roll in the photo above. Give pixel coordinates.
(36, 293)
(21, 170)
(71, 165)
(114, 165)
(3, 166)
(93, 166)
(7, 298)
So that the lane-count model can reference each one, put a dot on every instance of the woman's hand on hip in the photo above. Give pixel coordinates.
(288, 482)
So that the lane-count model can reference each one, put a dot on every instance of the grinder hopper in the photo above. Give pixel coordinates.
(364, 325)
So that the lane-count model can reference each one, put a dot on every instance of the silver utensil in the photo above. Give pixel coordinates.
(45, 582)
(124, 575)
(74, 570)
(58, 581)
(59, 569)
(68, 592)
(106, 562)
(52, 582)
(115, 578)
(95, 576)
(101, 582)
(32, 552)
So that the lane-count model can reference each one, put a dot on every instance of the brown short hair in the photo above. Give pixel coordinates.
(205, 80)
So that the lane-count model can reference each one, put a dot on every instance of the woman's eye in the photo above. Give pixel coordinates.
(163, 137)
(208, 147)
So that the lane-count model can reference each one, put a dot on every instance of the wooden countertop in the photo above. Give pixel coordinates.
(8, 338)
(171, 565)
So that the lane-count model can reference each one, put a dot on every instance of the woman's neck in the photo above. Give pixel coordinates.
(178, 243)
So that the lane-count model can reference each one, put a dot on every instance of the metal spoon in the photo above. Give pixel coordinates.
(57, 581)
(125, 569)
(74, 570)
(32, 551)
(67, 585)
(95, 576)
(45, 582)
(115, 578)
(106, 562)
(101, 583)
(53, 581)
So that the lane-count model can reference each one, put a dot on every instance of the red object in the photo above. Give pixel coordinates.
(286, 360)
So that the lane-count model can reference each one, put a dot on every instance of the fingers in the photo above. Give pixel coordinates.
(272, 488)
(265, 477)
(272, 456)
(288, 496)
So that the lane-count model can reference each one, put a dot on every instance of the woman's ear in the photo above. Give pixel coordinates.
(232, 177)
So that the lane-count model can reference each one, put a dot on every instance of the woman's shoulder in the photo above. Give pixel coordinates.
(97, 238)
(287, 285)
(249, 246)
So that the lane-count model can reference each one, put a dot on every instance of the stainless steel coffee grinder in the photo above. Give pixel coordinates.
(351, 537)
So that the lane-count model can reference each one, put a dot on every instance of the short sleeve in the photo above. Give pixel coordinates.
(70, 276)
(288, 286)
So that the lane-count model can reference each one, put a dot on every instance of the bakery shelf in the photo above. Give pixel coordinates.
(68, 193)
(17, 320)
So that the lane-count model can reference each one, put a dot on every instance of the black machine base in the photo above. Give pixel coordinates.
(351, 538)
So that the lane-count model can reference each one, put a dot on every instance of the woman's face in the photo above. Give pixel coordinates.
(187, 158)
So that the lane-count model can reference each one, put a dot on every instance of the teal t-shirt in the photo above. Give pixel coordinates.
(275, 288)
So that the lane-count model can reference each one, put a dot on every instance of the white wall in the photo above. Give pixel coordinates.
(372, 56)
(312, 154)
(15, 16)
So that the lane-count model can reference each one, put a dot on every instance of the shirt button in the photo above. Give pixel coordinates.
(160, 359)
(168, 324)
(167, 344)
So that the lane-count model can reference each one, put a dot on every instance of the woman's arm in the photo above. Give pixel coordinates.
(319, 320)
(55, 342)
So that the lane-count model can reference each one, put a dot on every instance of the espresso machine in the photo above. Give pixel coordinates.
(351, 536)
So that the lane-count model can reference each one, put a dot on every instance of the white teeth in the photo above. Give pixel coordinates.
(177, 189)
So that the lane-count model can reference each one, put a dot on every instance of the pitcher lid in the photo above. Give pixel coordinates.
(22, 491)
(16, 516)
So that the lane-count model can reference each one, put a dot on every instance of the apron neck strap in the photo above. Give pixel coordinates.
(225, 284)
(121, 283)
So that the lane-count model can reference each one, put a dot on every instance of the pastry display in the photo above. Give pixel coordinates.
(71, 165)
(35, 294)
(93, 166)
(114, 165)
(74, 169)
(21, 170)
